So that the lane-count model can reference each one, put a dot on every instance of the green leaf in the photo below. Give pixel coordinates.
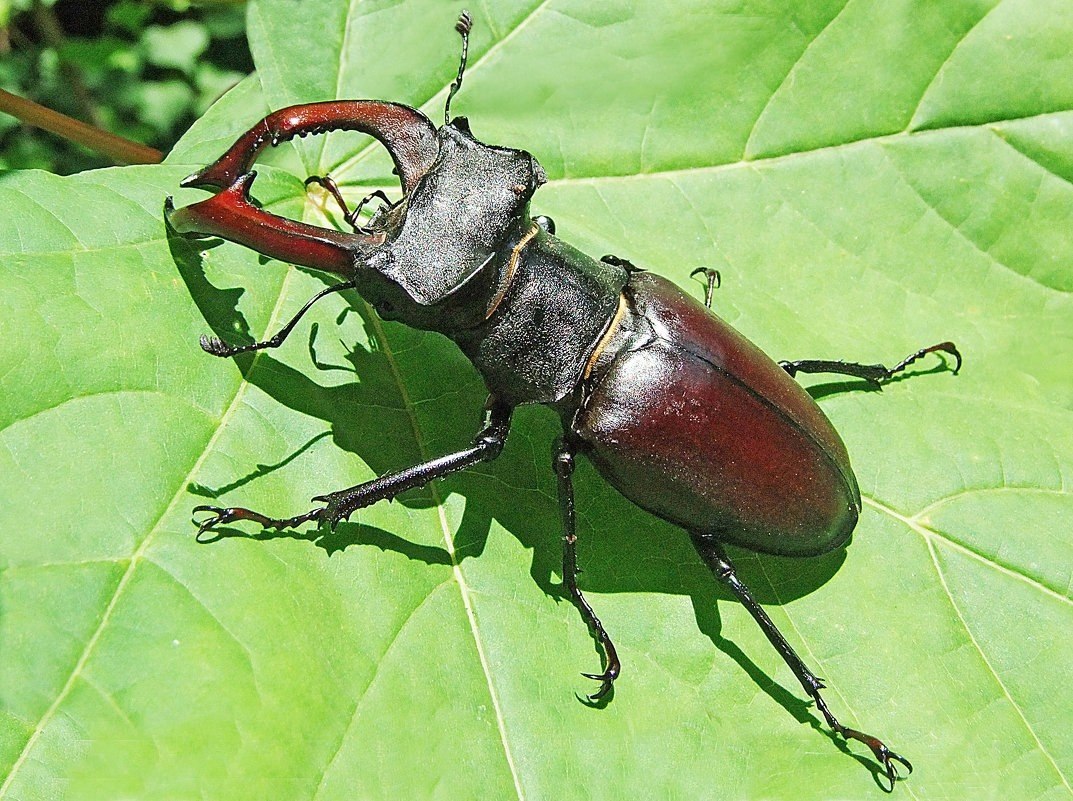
(869, 178)
(178, 46)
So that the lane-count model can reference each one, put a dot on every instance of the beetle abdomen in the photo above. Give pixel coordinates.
(693, 422)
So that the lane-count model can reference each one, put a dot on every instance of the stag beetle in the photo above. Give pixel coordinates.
(676, 409)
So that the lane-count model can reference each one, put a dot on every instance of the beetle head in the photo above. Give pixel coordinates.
(462, 200)
(472, 199)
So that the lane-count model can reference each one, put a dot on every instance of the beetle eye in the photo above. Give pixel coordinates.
(518, 189)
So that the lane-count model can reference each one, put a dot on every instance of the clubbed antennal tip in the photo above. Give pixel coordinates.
(463, 26)
(465, 23)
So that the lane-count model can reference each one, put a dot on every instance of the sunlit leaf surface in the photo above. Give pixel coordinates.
(868, 176)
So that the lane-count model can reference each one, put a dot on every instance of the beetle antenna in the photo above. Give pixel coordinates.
(463, 26)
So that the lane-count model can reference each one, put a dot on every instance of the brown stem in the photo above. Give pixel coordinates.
(121, 150)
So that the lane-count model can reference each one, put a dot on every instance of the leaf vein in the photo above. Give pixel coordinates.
(1022, 153)
(132, 564)
(448, 537)
(360, 700)
(946, 61)
(987, 663)
(926, 532)
(768, 161)
(788, 77)
(965, 238)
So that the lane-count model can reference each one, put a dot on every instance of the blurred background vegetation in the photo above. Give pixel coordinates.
(143, 70)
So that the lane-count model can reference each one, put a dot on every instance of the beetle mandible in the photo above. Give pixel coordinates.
(676, 409)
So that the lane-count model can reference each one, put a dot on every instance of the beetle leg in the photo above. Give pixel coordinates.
(351, 217)
(487, 445)
(546, 223)
(564, 468)
(618, 261)
(876, 373)
(716, 559)
(217, 347)
(712, 281)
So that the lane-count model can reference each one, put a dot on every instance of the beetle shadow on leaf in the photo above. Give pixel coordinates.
(259, 471)
(344, 535)
(622, 549)
(829, 388)
(219, 307)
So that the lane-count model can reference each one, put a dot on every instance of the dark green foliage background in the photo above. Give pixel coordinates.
(869, 176)
(143, 70)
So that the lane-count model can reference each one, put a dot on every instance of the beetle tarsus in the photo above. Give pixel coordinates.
(221, 516)
(217, 347)
(713, 280)
(942, 347)
(607, 685)
(875, 373)
(350, 217)
(883, 755)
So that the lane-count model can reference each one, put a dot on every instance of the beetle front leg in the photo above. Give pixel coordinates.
(350, 216)
(876, 373)
(564, 468)
(716, 559)
(338, 506)
(217, 347)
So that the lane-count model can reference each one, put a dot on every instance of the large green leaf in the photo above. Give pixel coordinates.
(869, 177)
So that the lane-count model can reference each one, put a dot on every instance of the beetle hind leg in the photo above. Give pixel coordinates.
(876, 373)
(715, 557)
(564, 468)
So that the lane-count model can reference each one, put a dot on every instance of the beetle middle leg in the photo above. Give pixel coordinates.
(716, 559)
(876, 373)
(712, 281)
(338, 506)
(564, 469)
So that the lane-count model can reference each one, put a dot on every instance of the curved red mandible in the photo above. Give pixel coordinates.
(408, 135)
